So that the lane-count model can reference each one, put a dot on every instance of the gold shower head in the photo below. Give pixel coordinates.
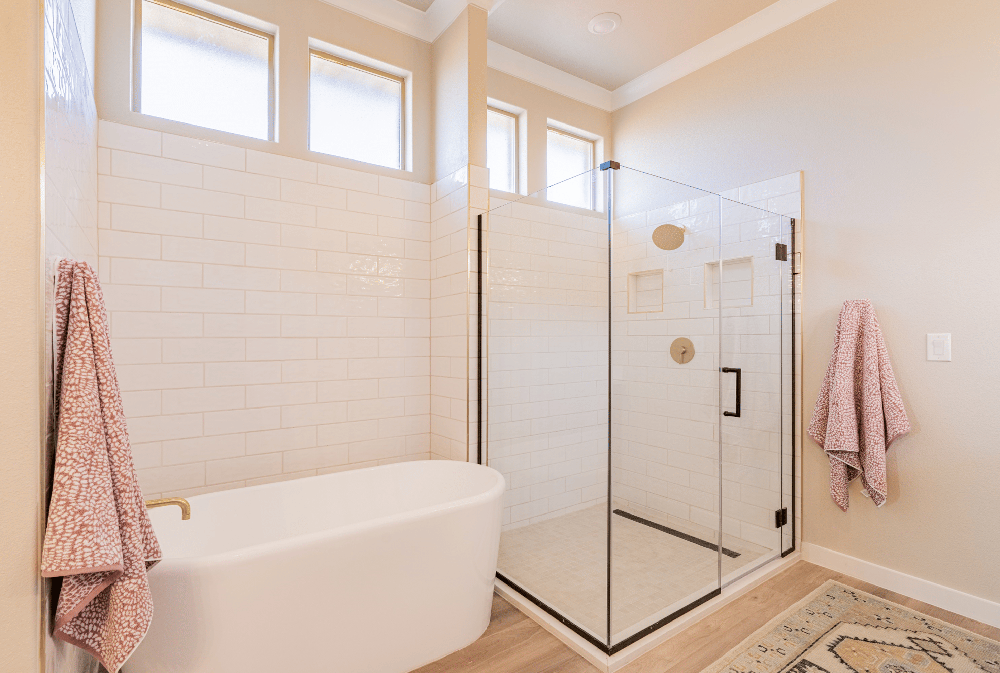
(668, 236)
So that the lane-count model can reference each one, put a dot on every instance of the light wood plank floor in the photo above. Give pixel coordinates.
(515, 644)
(701, 644)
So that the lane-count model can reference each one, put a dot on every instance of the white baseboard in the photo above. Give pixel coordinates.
(953, 600)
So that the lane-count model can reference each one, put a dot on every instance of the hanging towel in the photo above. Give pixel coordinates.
(98, 537)
(859, 412)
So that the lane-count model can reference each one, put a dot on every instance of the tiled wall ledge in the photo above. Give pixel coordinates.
(270, 316)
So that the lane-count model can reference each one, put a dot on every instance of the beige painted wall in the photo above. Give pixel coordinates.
(450, 68)
(540, 105)
(297, 22)
(20, 331)
(458, 60)
(891, 110)
(477, 85)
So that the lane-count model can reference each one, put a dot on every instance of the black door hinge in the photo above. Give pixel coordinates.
(781, 252)
(780, 517)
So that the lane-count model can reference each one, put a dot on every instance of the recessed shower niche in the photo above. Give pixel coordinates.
(729, 285)
(645, 291)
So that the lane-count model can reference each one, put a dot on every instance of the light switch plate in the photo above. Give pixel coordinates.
(939, 347)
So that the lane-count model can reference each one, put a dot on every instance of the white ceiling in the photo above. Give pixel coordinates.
(546, 42)
(652, 32)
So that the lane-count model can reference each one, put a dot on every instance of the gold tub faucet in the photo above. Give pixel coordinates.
(165, 502)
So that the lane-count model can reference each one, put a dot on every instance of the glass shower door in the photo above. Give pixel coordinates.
(751, 286)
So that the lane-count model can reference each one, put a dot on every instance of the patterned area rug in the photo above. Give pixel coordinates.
(838, 629)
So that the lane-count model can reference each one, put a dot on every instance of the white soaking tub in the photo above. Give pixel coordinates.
(378, 570)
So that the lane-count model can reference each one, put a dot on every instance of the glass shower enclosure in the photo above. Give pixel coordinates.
(635, 362)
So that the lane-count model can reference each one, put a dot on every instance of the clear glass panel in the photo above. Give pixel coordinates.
(354, 113)
(665, 400)
(566, 157)
(547, 405)
(501, 150)
(205, 73)
(755, 314)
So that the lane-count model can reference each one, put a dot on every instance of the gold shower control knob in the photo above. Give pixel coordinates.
(682, 351)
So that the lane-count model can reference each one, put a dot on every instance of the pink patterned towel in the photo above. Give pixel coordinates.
(859, 412)
(98, 537)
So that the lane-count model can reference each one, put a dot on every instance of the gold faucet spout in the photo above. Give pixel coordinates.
(166, 502)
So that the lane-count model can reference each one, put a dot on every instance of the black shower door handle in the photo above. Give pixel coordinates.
(739, 390)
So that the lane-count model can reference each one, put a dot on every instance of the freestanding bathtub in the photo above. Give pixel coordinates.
(378, 570)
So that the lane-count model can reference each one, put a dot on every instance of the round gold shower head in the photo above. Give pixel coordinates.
(668, 237)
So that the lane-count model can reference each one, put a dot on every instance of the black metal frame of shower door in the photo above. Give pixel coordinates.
(607, 647)
(791, 275)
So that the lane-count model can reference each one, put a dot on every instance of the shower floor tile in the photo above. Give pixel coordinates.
(563, 562)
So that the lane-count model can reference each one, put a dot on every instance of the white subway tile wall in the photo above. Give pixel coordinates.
(548, 358)
(271, 317)
(71, 210)
(451, 219)
(71, 165)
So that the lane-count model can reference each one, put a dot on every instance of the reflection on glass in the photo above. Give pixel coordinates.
(568, 156)
(200, 72)
(547, 401)
(355, 113)
(501, 150)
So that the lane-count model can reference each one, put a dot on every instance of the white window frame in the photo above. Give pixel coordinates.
(137, 54)
(340, 60)
(593, 156)
(517, 144)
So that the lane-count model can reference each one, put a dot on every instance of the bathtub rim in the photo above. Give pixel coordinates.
(264, 549)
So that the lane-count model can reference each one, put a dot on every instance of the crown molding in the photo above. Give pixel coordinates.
(753, 28)
(429, 25)
(426, 26)
(546, 76)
